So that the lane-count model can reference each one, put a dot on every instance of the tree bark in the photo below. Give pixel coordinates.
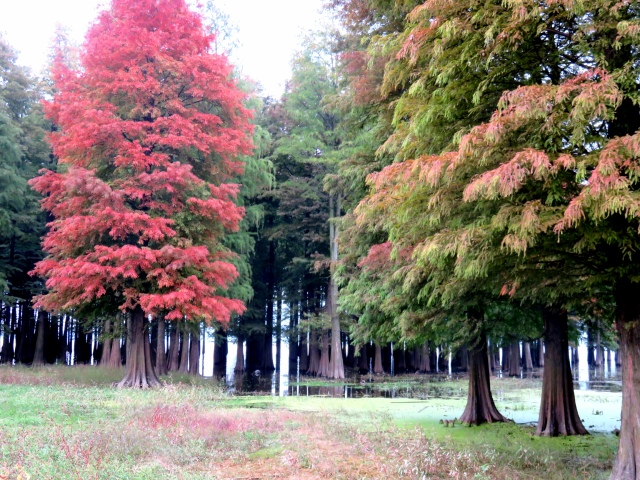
(480, 406)
(106, 341)
(377, 362)
(363, 360)
(38, 353)
(558, 412)
(425, 359)
(627, 463)
(314, 353)
(139, 372)
(323, 368)
(161, 355)
(304, 354)
(540, 353)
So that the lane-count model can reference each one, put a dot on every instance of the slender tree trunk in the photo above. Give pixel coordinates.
(399, 360)
(294, 347)
(377, 361)
(514, 359)
(278, 328)
(174, 347)
(528, 362)
(194, 352)
(304, 354)
(336, 364)
(425, 359)
(541, 353)
(599, 349)
(139, 372)
(115, 356)
(38, 354)
(627, 463)
(161, 355)
(480, 405)
(558, 412)
(106, 340)
(184, 349)
(239, 368)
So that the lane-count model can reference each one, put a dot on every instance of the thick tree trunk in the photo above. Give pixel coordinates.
(558, 412)
(239, 368)
(627, 463)
(304, 354)
(38, 353)
(480, 406)
(194, 353)
(528, 362)
(161, 355)
(139, 372)
(314, 353)
(377, 361)
(323, 368)
(173, 362)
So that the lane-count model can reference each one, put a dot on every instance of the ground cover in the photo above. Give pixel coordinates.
(61, 422)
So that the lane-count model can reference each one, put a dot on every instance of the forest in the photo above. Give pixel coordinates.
(446, 190)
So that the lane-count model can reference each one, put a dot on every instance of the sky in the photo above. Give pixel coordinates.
(269, 31)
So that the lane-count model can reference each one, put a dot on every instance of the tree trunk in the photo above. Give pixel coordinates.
(514, 359)
(323, 368)
(480, 407)
(336, 363)
(627, 463)
(239, 368)
(399, 360)
(314, 353)
(173, 362)
(425, 359)
(278, 329)
(541, 353)
(38, 353)
(304, 354)
(184, 349)
(528, 362)
(220, 354)
(194, 352)
(139, 372)
(363, 360)
(558, 412)
(106, 341)
(599, 349)
(377, 362)
(161, 355)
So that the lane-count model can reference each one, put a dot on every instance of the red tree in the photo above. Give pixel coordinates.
(149, 134)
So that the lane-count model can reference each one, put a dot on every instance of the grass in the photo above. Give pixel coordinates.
(59, 422)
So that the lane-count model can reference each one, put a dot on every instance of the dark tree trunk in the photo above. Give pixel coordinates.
(304, 354)
(464, 358)
(220, 354)
(443, 360)
(106, 340)
(528, 362)
(239, 368)
(139, 372)
(480, 406)
(278, 329)
(599, 349)
(377, 361)
(173, 362)
(514, 359)
(399, 364)
(161, 354)
(558, 412)
(627, 463)
(38, 353)
(184, 348)
(51, 339)
(194, 352)
(294, 348)
(255, 346)
(363, 360)
(115, 357)
(425, 359)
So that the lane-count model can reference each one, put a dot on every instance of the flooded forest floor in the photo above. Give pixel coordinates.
(68, 422)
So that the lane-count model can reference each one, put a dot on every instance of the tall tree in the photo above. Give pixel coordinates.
(149, 133)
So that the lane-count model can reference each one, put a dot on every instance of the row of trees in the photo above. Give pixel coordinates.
(453, 174)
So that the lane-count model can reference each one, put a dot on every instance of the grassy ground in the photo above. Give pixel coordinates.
(63, 423)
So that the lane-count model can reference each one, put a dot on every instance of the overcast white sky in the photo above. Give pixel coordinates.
(269, 31)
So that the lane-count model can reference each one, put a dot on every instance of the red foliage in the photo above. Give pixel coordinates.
(150, 128)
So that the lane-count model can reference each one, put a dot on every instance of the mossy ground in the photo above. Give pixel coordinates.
(60, 422)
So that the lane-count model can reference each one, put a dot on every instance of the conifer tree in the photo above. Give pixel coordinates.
(149, 134)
